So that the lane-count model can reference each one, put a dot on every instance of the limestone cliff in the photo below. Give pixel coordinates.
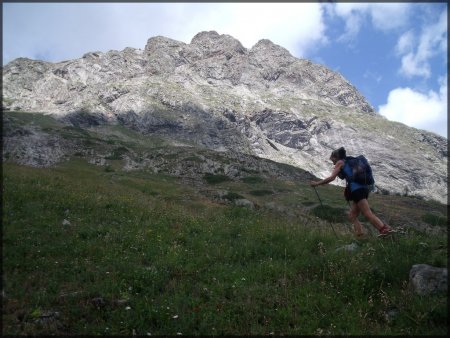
(214, 93)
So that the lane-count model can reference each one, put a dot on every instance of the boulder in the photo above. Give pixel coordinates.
(425, 279)
(350, 247)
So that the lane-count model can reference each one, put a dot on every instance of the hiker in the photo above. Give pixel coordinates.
(358, 193)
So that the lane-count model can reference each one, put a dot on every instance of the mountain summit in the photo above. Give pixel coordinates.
(216, 94)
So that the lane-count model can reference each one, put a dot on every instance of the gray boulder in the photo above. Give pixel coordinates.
(242, 202)
(349, 248)
(425, 279)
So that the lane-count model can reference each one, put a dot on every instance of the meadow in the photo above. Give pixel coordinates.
(92, 250)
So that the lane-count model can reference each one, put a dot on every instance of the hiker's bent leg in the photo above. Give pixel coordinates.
(363, 206)
(353, 217)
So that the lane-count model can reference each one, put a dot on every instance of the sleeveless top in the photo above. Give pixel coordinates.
(345, 172)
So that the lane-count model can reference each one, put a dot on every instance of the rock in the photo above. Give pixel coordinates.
(425, 279)
(350, 247)
(120, 302)
(49, 320)
(29, 145)
(242, 202)
(98, 302)
(391, 314)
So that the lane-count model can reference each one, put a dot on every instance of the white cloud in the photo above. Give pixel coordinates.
(59, 31)
(68, 30)
(414, 65)
(405, 43)
(431, 42)
(419, 110)
(297, 27)
(390, 16)
(384, 16)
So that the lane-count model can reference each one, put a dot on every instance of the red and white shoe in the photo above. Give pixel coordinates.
(386, 231)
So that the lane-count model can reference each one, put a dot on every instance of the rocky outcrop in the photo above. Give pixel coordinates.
(32, 146)
(425, 279)
(216, 94)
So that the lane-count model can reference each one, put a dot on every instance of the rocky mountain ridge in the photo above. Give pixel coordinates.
(213, 93)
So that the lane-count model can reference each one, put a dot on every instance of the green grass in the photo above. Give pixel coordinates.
(261, 192)
(253, 179)
(232, 196)
(216, 179)
(335, 215)
(435, 219)
(145, 254)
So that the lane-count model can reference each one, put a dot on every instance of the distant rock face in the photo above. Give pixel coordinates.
(98, 80)
(217, 94)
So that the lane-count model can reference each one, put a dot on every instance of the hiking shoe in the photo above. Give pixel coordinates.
(385, 231)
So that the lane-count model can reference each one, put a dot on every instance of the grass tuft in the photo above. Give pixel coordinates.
(215, 179)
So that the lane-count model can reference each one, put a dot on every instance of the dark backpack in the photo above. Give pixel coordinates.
(362, 172)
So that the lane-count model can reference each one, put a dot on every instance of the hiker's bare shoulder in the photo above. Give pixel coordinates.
(337, 168)
(340, 164)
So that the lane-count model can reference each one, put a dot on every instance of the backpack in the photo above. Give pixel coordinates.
(362, 172)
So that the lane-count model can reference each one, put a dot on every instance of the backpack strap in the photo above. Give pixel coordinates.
(342, 175)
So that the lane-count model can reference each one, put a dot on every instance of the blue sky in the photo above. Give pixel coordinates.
(395, 54)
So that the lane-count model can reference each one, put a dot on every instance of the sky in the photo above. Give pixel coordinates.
(395, 54)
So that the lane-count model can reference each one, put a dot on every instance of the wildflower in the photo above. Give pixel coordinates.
(321, 248)
(175, 317)
(128, 308)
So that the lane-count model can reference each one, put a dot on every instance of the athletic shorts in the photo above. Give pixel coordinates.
(359, 194)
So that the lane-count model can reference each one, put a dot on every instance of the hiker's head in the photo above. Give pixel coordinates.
(338, 154)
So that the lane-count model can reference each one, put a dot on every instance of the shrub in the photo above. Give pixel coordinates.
(261, 192)
(109, 169)
(117, 153)
(231, 196)
(215, 179)
(435, 219)
(253, 179)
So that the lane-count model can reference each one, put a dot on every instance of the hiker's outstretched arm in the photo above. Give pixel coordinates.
(325, 180)
(332, 177)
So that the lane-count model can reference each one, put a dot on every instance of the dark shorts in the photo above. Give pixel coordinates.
(359, 194)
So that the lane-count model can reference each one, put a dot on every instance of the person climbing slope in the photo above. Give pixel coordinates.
(356, 192)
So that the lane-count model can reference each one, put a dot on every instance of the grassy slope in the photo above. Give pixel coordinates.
(145, 253)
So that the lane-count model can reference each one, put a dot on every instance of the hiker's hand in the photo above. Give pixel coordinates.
(314, 184)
